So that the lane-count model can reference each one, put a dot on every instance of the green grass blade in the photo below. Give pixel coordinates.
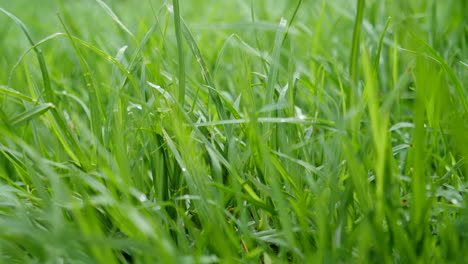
(114, 17)
(274, 65)
(40, 56)
(95, 107)
(291, 20)
(31, 114)
(461, 92)
(381, 40)
(180, 51)
(356, 46)
(15, 94)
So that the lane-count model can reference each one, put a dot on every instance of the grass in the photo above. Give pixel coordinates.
(233, 131)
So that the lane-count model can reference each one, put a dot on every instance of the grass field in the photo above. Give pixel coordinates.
(243, 131)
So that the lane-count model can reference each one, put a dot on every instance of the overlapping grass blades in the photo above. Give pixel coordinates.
(220, 132)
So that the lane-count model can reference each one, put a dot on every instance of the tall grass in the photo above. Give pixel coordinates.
(233, 131)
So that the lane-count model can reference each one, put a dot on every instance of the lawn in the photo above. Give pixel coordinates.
(242, 131)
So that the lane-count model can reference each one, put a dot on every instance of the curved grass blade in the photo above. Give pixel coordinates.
(204, 69)
(112, 60)
(134, 57)
(115, 17)
(40, 57)
(451, 75)
(40, 42)
(31, 114)
(382, 37)
(15, 94)
(221, 52)
(243, 45)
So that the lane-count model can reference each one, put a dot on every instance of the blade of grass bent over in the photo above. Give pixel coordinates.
(31, 113)
(15, 94)
(40, 57)
(115, 17)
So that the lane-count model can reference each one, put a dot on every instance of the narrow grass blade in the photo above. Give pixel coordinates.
(113, 61)
(204, 69)
(31, 114)
(462, 96)
(40, 57)
(180, 51)
(353, 64)
(274, 65)
(382, 37)
(21, 58)
(15, 94)
(291, 20)
(114, 17)
(95, 100)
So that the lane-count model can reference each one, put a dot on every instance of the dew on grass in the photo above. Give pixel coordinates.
(170, 8)
(134, 106)
(142, 198)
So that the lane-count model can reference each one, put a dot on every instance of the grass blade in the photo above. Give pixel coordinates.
(274, 65)
(95, 107)
(31, 113)
(114, 17)
(353, 64)
(15, 94)
(180, 51)
(40, 57)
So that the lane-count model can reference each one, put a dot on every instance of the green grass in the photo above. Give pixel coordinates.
(244, 131)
